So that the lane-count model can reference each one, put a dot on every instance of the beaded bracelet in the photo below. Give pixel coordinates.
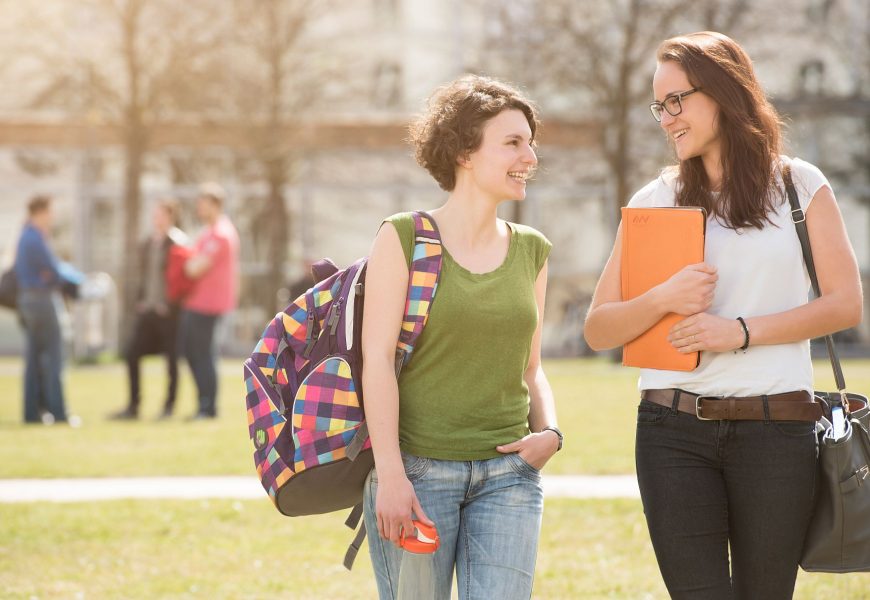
(745, 334)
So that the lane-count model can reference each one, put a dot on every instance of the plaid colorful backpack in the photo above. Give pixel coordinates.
(304, 386)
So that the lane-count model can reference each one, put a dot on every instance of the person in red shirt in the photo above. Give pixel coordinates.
(214, 266)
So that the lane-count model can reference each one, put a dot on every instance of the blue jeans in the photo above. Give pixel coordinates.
(196, 340)
(43, 389)
(488, 517)
(708, 486)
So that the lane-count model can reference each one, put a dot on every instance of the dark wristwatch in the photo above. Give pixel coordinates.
(556, 431)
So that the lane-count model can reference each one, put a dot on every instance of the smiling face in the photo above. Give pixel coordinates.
(694, 132)
(505, 159)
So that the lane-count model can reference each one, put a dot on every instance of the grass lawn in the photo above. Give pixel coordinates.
(596, 408)
(596, 402)
(245, 549)
(227, 549)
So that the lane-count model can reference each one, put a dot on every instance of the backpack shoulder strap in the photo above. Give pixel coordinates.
(423, 276)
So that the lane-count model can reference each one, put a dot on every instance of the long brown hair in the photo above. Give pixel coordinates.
(748, 127)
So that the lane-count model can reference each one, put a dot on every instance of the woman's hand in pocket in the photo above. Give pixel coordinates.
(535, 448)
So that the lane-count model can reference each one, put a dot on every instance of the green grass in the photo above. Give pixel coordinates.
(232, 549)
(108, 448)
(596, 402)
(596, 410)
(235, 549)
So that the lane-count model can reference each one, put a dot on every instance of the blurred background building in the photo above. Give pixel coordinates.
(300, 107)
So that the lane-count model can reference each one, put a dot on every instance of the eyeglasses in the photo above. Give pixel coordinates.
(673, 104)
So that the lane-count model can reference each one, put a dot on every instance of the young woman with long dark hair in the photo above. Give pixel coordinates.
(743, 481)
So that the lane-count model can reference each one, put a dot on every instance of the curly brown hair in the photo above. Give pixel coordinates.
(452, 127)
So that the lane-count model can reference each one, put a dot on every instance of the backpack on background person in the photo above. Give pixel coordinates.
(303, 382)
(9, 289)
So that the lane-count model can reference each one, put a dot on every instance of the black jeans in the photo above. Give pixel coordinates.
(154, 333)
(708, 484)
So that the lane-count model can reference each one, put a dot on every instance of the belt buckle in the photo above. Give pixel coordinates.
(698, 406)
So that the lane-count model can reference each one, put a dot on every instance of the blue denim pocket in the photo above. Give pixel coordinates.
(523, 468)
(415, 466)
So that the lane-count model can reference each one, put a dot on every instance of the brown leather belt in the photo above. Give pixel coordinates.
(789, 406)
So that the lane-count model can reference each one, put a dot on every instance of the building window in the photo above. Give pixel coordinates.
(387, 85)
(818, 11)
(812, 78)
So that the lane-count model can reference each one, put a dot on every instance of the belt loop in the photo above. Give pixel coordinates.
(766, 407)
(676, 403)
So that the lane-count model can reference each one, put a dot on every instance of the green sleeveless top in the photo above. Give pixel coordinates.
(462, 393)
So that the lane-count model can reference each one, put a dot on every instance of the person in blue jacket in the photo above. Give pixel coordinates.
(40, 278)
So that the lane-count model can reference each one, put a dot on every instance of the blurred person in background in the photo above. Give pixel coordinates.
(214, 266)
(155, 330)
(40, 278)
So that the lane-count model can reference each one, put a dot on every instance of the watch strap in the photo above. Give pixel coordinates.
(557, 432)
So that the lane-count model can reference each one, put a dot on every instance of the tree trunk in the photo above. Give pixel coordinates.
(279, 234)
(621, 169)
(134, 151)
(620, 157)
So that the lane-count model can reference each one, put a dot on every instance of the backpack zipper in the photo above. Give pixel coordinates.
(336, 314)
(309, 334)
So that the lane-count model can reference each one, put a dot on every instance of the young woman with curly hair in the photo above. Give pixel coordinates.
(460, 439)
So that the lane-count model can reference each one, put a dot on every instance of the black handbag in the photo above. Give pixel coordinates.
(838, 537)
(9, 289)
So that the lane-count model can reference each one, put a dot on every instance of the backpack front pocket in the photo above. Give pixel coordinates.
(272, 451)
(326, 414)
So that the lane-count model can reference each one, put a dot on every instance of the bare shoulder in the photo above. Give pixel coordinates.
(387, 259)
(823, 204)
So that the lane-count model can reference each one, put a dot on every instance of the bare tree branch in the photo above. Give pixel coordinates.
(603, 54)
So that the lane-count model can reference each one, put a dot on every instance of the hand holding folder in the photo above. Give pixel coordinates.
(656, 244)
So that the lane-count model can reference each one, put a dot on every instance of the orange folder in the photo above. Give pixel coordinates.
(656, 243)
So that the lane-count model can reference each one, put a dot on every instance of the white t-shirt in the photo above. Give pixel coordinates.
(761, 271)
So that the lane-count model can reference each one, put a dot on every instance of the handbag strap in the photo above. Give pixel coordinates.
(799, 219)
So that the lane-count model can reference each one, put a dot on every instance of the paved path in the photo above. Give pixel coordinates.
(84, 490)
